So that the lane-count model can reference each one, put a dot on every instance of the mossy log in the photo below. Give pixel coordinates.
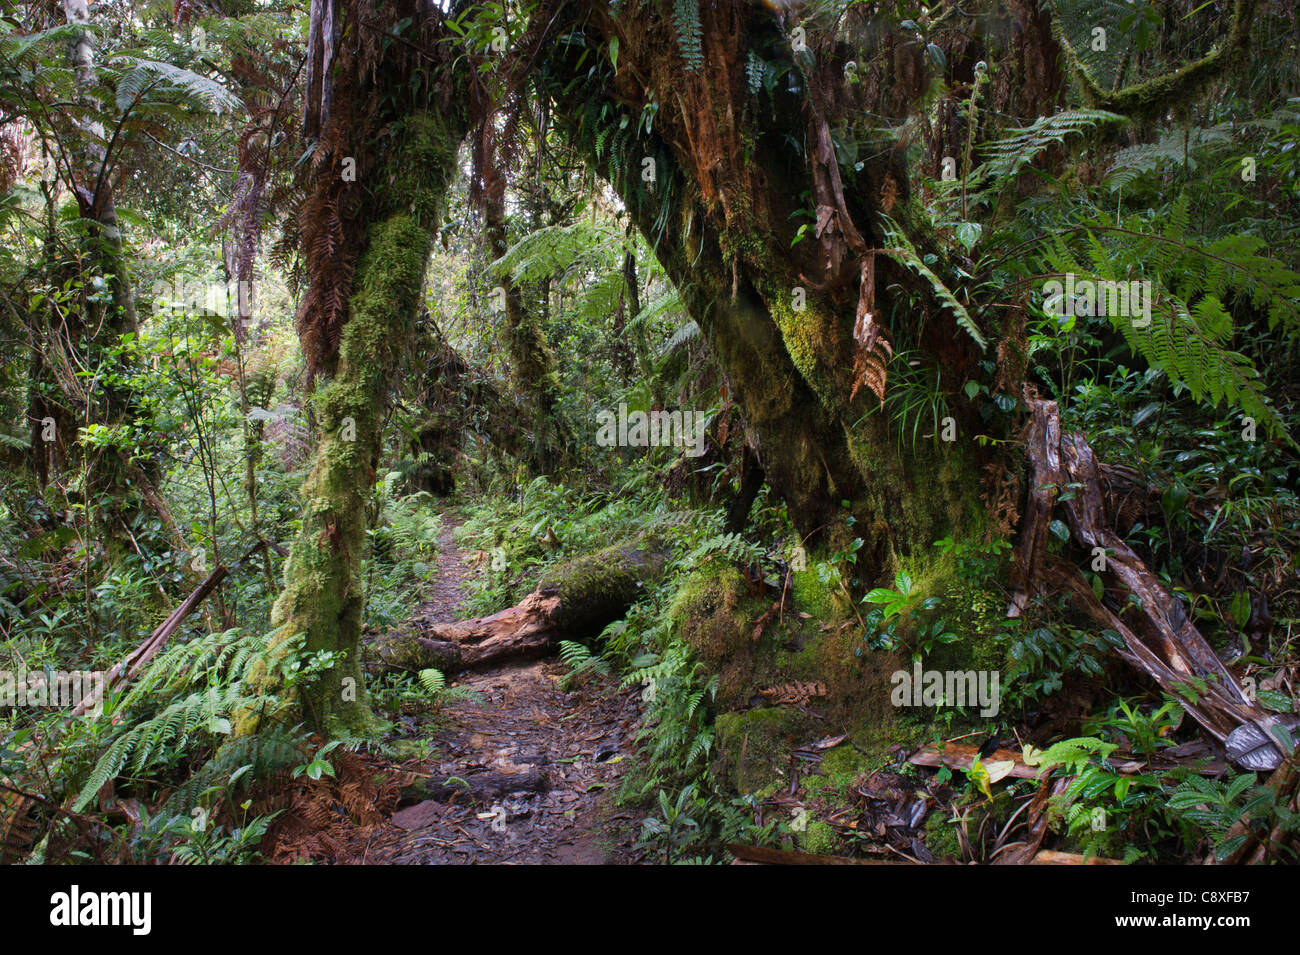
(573, 601)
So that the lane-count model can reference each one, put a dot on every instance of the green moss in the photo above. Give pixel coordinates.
(714, 615)
(322, 605)
(825, 601)
(808, 338)
(941, 836)
(820, 838)
(841, 767)
(752, 745)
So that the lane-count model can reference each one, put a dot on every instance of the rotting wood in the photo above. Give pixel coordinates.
(1161, 641)
(574, 601)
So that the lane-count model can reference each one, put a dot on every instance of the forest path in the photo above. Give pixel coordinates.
(527, 775)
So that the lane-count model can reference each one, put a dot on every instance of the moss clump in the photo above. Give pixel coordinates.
(820, 838)
(712, 613)
(825, 601)
(976, 615)
(593, 586)
(941, 837)
(841, 767)
(752, 745)
(706, 612)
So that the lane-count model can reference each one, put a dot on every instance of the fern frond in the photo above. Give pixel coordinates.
(433, 680)
(1006, 158)
(143, 75)
(903, 251)
(686, 20)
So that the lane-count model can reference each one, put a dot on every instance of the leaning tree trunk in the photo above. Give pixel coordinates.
(795, 326)
(574, 601)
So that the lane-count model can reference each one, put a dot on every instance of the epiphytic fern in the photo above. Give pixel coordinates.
(686, 20)
(902, 250)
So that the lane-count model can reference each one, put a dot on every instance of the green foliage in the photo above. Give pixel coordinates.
(1218, 805)
(432, 680)
(580, 660)
(141, 76)
(1175, 146)
(1190, 326)
(686, 21)
(915, 397)
(189, 695)
(901, 248)
(1008, 157)
(674, 829)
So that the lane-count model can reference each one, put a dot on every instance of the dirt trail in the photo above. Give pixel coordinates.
(527, 775)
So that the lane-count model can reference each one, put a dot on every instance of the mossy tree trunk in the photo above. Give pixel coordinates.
(532, 362)
(718, 189)
(323, 601)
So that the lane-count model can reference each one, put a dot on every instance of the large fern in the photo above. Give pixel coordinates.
(1007, 157)
(190, 691)
(1191, 326)
(1174, 146)
(141, 76)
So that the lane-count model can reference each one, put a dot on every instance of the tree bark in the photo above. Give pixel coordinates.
(101, 323)
(532, 362)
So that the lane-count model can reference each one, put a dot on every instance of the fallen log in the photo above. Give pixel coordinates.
(573, 601)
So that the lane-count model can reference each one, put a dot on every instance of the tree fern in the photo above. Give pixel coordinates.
(143, 75)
